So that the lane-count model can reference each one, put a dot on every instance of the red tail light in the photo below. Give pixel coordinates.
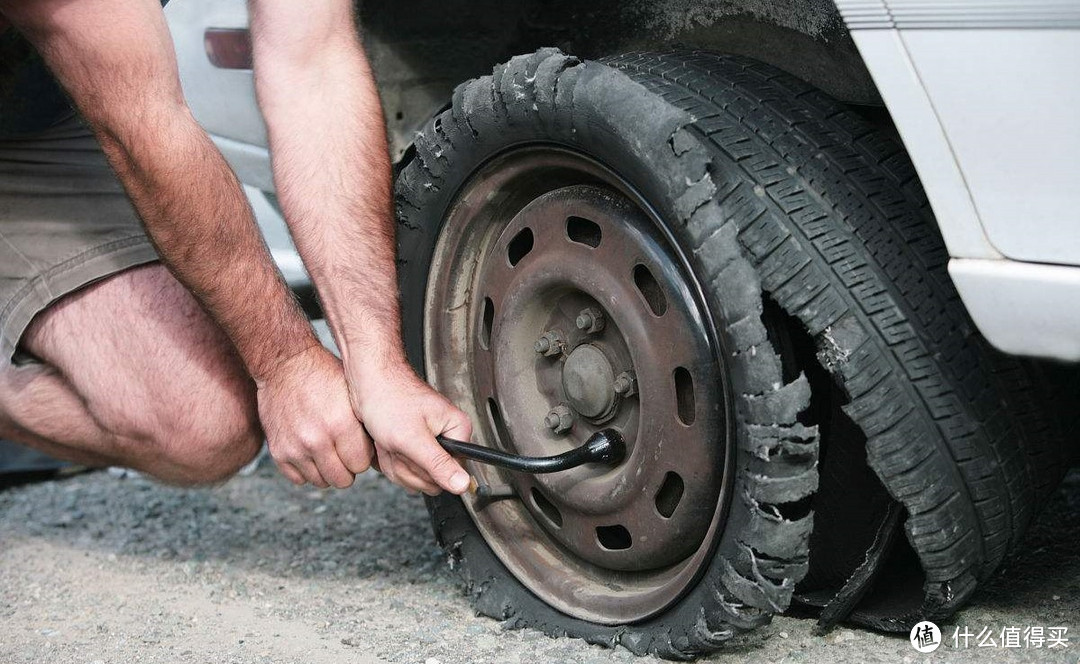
(228, 48)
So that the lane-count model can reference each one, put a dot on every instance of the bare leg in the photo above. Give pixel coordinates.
(39, 398)
(133, 373)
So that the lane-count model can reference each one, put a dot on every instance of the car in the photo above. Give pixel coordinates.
(819, 263)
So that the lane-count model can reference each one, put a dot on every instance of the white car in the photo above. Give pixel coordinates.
(793, 251)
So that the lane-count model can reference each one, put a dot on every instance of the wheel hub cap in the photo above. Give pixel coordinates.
(589, 382)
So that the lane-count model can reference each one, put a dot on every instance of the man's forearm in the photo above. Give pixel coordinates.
(333, 181)
(198, 218)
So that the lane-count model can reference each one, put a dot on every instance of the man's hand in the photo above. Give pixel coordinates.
(403, 415)
(310, 427)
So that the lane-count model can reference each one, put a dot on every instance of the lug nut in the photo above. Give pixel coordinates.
(590, 320)
(625, 384)
(560, 419)
(550, 343)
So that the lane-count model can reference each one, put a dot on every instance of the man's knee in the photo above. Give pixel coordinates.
(217, 458)
(223, 445)
(205, 443)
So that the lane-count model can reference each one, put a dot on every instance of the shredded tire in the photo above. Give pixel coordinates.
(591, 107)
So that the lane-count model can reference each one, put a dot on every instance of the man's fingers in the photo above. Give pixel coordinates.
(333, 470)
(425, 483)
(391, 469)
(444, 470)
(291, 473)
(311, 473)
(413, 478)
(459, 427)
(355, 450)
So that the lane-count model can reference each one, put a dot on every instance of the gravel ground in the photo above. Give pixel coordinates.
(97, 569)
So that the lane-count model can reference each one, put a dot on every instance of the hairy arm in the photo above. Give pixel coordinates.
(332, 174)
(331, 165)
(115, 59)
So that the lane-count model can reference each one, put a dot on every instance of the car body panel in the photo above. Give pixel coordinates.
(1009, 109)
(1021, 306)
(984, 96)
(223, 100)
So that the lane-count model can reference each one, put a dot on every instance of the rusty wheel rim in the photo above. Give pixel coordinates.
(557, 306)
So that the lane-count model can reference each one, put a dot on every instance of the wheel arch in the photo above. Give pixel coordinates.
(421, 52)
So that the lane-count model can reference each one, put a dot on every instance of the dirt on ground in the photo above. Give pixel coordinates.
(97, 569)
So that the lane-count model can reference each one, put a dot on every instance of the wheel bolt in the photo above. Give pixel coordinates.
(625, 384)
(560, 419)
(590, 320)
(550, 343)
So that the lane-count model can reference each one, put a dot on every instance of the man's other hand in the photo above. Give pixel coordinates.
(403, 414)
(310, 426)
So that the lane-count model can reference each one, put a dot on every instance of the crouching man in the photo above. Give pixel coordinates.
(142, 321)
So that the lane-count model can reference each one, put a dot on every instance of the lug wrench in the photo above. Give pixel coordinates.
(604, 447)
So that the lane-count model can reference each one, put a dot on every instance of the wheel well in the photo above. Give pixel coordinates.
(421, 50)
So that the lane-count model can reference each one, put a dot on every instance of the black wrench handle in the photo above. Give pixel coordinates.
(605, 446)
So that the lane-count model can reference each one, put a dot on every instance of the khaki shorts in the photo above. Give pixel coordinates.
(65, 222)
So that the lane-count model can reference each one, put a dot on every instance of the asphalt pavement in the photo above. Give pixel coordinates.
(97, 569)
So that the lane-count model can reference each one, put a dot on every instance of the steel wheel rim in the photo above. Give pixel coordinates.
(606, 545)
